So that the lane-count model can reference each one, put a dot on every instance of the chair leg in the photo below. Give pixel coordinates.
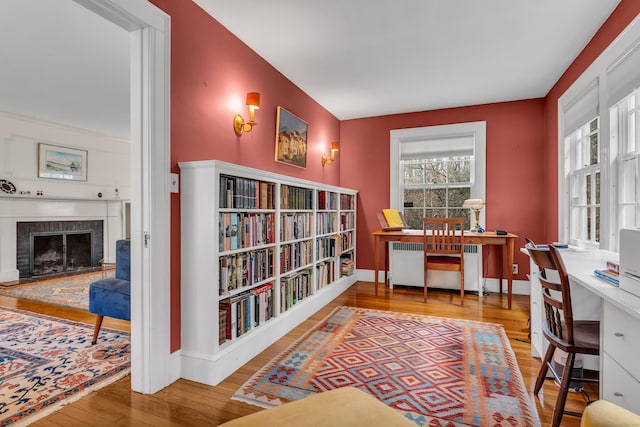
(96, 330)
(462, 288)
(567, 372)
(542, 374)
(425, 282)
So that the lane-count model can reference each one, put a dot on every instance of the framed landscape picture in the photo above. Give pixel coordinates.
(291, 139)
(61, 163)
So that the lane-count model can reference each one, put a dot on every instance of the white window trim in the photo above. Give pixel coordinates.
(608, 191)
(478, 166)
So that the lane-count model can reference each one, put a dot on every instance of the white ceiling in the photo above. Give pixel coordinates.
(362, 58)
(62, 63)
(357, 58)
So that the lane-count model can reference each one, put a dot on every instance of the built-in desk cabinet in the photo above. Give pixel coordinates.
(260, 253)
(621, 358)
(619, 314)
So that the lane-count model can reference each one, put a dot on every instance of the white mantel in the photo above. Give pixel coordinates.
(14, 209)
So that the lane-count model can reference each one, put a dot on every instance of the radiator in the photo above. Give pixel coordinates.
(406, 268)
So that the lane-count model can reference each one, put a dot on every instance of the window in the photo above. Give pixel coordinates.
(435, 187)
(435, 168)
(584, 184)
(625, 128)
(599, 146)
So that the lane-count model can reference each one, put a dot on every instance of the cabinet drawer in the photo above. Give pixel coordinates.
(621, 338)
(618, 386)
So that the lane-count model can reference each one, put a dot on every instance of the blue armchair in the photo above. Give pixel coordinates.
(111, 297)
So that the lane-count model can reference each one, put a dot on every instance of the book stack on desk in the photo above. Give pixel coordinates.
(610, 274)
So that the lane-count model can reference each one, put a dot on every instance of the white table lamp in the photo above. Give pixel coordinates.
(476, 206)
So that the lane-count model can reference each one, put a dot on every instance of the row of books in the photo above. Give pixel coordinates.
(243, 193)
(346, 241)
(327, 200)
(295, 255)
(347, 221)
(326, 247)
(244, 269)
(244, 230)
(294, 289)
(347, 202)
(295, 226)
(325, 273)
(326, 222)
(295, 198)
(240, 313)
(235, 317)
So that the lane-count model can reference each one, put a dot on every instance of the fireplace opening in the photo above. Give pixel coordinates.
(60, 252)
(55, 247)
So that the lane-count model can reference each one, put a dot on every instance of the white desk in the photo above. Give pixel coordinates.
(619, 314)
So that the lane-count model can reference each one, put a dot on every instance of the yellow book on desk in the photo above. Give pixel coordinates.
(391, 219)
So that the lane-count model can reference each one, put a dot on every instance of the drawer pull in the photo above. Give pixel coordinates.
(618, 334)
(617, 394)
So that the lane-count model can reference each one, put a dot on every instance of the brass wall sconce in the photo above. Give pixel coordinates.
(335, 146)
(239, 125)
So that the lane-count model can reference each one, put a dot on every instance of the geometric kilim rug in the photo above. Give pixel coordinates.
(47, 362)
(436, 371)
(71, 291)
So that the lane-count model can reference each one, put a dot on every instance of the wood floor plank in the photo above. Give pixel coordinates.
(187, 403)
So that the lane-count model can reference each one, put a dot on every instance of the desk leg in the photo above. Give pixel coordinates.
(386, 265)
(510, 248)
(376, 260)
(500, 266)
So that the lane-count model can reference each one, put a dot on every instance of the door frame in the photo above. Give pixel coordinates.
(153, 367)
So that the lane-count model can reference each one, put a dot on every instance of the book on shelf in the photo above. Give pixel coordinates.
(609, 275)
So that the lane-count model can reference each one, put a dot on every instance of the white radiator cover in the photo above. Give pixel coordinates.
(406, 268)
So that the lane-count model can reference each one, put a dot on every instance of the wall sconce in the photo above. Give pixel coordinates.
(239, 125)
(476, 206)
(335, 146)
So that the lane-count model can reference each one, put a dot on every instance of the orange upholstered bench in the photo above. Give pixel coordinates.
(342, 407)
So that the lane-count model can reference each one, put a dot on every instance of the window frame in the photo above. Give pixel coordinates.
(440, 132)
(597, 72)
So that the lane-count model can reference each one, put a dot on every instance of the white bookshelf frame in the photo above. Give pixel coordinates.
(202, 358)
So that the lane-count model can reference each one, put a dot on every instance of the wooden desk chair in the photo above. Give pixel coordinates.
(560, 329)
(443, 247)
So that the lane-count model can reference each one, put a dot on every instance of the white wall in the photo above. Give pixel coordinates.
(108, 168)
(107, 158)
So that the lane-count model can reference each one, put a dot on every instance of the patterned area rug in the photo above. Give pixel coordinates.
(70, 291)
(47, 362)
(436, 371)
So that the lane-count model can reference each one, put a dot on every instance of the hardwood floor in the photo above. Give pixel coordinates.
(186, 403)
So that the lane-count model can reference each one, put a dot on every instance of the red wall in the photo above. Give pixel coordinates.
(514, 196)
(210, 67)
(622, 16)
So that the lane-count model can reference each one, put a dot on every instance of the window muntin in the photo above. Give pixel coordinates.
(435, 187)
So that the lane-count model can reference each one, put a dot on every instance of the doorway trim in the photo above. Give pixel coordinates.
(152, 365)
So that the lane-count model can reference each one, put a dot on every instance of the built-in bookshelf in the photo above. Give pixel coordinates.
(260, 253)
